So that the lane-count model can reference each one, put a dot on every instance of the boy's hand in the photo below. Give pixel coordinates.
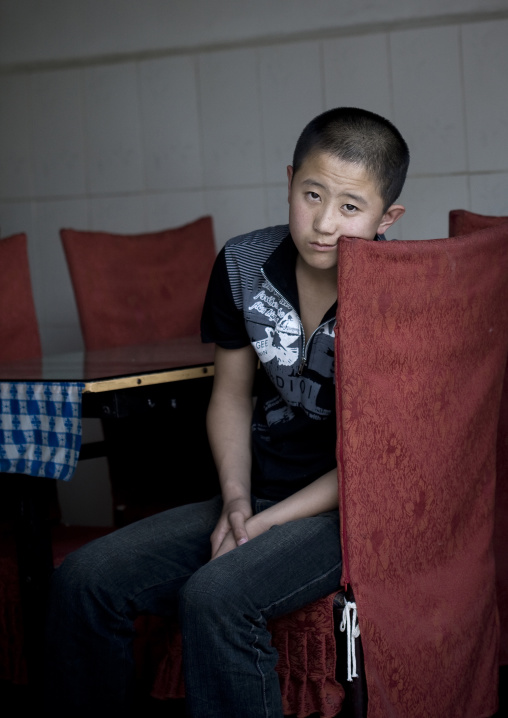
(228, 544)
(254, 526)
(231, 530)
(237, 524)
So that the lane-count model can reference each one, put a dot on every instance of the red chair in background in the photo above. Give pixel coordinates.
(137, 289)
(144, 289)
(19, 331)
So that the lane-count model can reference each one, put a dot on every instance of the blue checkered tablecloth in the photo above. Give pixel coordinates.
(40, 428)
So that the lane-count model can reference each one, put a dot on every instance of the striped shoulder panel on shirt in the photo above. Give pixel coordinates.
(246, 254)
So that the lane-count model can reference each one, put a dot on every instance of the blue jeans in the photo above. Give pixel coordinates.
(161, 566)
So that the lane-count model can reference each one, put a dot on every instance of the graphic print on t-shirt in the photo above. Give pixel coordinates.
(277, 337)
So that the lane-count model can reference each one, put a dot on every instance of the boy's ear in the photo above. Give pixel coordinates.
(290, 180)
(392, 214)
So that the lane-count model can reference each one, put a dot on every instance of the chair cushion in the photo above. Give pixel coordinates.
(134, 289)
(19, 332)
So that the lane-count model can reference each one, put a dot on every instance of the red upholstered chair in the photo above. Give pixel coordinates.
(19, 332)
(308, 642)
(141, 289)
(463, 222)
(421, 352)
(136, 289)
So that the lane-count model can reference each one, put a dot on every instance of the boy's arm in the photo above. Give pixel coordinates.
(229, 431)
(321, 495)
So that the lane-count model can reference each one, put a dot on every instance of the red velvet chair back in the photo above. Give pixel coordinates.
(463, 222)
(422, 344)
(19, 332)
(460, 221)
(135, 289)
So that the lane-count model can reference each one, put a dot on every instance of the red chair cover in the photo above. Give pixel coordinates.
(463, 222)
(137, 289)
(19, 333)
(422, 344)
(307, 660)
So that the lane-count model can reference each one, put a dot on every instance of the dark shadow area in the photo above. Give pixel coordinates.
(15, 700)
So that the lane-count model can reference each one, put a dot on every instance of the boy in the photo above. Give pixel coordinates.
(274, 532)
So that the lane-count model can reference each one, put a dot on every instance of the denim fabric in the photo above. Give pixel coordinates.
(161, 565)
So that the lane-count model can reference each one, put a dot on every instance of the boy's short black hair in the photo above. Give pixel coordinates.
(363, 138)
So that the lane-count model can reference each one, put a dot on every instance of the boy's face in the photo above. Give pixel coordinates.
(329, 197)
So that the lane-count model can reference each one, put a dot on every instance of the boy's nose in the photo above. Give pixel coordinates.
(325, 221)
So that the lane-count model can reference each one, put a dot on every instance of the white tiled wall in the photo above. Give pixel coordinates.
(428, 98)
(153, 142)
(32, 30)
(54, 296)
(427, 201)
(113, 129)
(285, 72)
(171, 209)
(486, 94)
(15, 161)
(57, 138)
(230, 118)
(357, 73)
(171, 136)
(490, 193)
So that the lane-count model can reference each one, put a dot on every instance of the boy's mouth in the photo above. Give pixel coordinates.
(320, 247)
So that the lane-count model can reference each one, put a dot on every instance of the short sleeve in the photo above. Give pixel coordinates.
(221, 321)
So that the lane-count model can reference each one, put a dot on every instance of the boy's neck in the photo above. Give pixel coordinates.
(317, 292)
(324, 278)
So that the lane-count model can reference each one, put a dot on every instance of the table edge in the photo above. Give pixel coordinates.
(96, 386)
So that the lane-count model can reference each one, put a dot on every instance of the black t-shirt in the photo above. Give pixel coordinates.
(252, 299)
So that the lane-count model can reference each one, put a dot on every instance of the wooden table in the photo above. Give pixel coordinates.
(119, 383)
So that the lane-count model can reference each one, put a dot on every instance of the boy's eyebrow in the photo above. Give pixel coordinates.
(355, 197)
(350, 195)
(313, 183)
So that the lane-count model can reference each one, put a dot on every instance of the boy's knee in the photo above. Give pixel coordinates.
(211, 591)
(83, 572)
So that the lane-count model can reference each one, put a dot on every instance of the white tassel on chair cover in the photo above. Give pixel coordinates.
(350, 622)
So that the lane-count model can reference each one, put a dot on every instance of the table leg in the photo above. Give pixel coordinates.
(35, 563)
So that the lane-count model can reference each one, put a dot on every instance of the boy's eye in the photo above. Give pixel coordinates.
(350, 207)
